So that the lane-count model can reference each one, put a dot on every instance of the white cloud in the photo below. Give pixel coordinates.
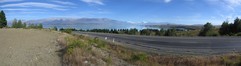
(64, 2)
(226, 9)
(167, 1)
(35, 4)
(4, 1)
(20, 9)
(232, 4)
(99, 2)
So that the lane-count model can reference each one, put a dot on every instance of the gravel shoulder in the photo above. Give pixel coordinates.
(28, 47)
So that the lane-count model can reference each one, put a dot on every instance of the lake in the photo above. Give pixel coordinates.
(95, 26)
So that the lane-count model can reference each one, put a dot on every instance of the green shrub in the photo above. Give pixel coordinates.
(100, 44)
(238, 34)
(212, 33)
(74, 43)
(139, 57)
(68, 30)
(108, 60)
(54, 28)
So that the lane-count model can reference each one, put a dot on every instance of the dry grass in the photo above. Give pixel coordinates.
(84, 51)
(188, 33)
(174, 60)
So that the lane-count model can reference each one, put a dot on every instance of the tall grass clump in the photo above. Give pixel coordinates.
(139, 57)
(98, 43)
(74, 43)
(67, 30)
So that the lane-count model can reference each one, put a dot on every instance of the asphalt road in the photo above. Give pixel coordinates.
(174, 45)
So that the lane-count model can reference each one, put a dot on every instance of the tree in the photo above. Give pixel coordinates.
(161, 32)
(171, 32)
(133, 31)
(14, 23)
(19, 24)
(225, 28)
(207, 30)
(24, 25)
(55, 28)
(40, 26)
(236, 26)
(3, 20)
(145, 32)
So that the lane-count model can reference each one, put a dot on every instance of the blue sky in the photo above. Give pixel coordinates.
(171, 11)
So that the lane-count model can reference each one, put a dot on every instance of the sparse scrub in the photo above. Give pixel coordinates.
(100, 43)
(139, 57)
(188, 33)
(74, 43)
(54, 28)
(108, 60)
(35, 26)
(68, 30)
(83, 49)
(238, 34)
(232, 60)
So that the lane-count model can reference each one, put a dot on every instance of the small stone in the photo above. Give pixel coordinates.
(85, 61)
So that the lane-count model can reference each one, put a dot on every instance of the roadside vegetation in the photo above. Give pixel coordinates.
(67, 30)
(80, 50)
(231, 29)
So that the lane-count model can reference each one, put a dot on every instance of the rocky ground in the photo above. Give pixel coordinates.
(29, 47)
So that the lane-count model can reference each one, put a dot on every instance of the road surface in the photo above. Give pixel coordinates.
(174, 45)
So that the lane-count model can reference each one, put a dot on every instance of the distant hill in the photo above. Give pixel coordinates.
(74, 21)
(167, 25)
(105, 23)
(83, 23)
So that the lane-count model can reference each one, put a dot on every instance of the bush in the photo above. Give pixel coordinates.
(212, 33)
(207, 30)
(238, 34)
(68, 30)
(35, 26)
(54, 28)
(74, 43)
(100, 44)
(139, 57)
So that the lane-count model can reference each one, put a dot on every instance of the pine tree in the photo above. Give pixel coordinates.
(225, 28)
(19, 24)
(3, 20)
(236, 27)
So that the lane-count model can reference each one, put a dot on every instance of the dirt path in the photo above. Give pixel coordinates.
(28, 47)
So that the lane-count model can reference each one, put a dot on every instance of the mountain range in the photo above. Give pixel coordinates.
(104, 23)
(75, 21)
